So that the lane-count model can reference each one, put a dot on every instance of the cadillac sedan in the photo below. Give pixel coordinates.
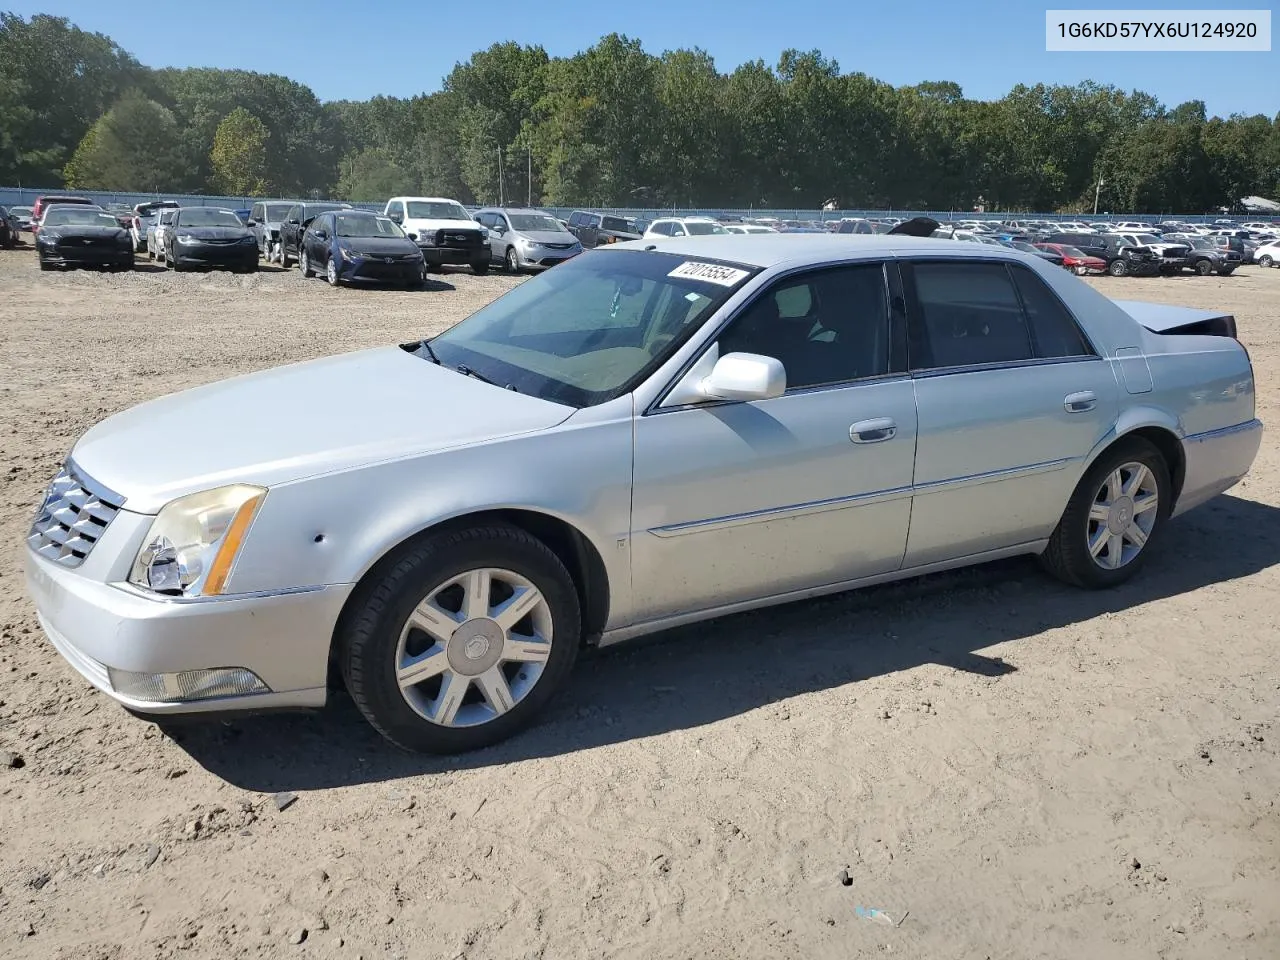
(653, 433)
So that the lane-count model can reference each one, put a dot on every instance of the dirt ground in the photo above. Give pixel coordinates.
(1006, 767)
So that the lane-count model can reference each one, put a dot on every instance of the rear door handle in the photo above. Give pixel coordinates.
(1080, 402)
(873, 431)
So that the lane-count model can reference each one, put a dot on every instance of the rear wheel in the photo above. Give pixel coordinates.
(461, 641)
(285, 260)
(1265, 260)
(1117, 509)
(1117, 268)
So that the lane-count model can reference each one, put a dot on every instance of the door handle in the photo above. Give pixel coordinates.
(873, 431)
(1080, 402)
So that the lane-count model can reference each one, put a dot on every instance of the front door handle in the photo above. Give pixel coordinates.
(873, 431)
(1080, 402)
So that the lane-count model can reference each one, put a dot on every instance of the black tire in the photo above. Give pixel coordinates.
(1203, 267)
(1117, 268)
(1067, 555)
(1226, 271)
(370, 632)
(285, 261)
(331, 274)
(304, 263)
(512, 260)
(45, 266)
(480, 268)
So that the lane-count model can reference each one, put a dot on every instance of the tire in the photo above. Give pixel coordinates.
(1226, 271)
(45, 266)
(1117, 268)
(375, 634)
(1265, 260)
(1069, 556)
(331, 273)
(480, 268)
(285, 260)
(304, 263)
(512, 260)
(1203, 267)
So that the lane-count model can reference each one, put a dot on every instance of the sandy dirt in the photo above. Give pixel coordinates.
(1006, 767)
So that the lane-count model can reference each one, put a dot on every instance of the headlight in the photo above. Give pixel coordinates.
(426, 238)
(484, 233)
(526, 243)
(187, 238)
(249, 239)
(194, 540)
(348, 255)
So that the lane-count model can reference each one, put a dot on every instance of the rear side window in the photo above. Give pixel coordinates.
(1054, 332)
(987, 313)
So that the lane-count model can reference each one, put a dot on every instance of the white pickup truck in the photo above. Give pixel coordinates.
(443, 231)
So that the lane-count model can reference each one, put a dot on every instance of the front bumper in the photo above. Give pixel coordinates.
(381, 270)
(215, 254)
(1216, 461)
(283, 638)
(438, 256)
(540, 258)
(86, 256)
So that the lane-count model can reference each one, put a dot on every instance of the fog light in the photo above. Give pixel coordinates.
(187, 685)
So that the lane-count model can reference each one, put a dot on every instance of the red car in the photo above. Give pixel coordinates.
(43, 203)
(1075, 259)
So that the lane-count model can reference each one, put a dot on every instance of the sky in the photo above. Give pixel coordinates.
(345, 50)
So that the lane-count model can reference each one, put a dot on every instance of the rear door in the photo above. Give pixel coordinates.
(1012, 398)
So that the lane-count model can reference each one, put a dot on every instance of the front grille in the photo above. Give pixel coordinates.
(557, 246)
(73, 517)
(81, 243)
(458, 238)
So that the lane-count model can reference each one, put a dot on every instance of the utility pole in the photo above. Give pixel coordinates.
(1096, 193)
(529, 200)
(501, 195)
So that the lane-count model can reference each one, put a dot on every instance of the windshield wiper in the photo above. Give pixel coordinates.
(431, 354)
(467, 371)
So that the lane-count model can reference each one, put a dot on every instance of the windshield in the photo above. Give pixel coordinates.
(21, 211)
(592, 328)
(701, 228)
(207, 217)
(537, 222)
(436, 210)
(618, 224)
(72, 216)
(275, 212)
(1073, 252)
(354, 226)
(1197, 243)
(1145, 238)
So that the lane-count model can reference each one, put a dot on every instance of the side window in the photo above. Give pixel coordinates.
(829, 326)
(966, 313)
(1054, 332)
(256, 212)
(593, 220)
(575, 218)
(397, 207)
(676, 229)
(661, 229)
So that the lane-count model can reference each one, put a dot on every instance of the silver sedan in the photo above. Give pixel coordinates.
(651, 434)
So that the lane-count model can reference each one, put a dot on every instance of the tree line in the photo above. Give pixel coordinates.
(614, 126)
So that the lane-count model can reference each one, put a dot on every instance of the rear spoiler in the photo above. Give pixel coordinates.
(1167, 319)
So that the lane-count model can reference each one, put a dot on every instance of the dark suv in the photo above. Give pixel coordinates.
(1121, 256)
(295, 221)
(593, 229)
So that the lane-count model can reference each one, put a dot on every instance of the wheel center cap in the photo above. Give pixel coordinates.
(475, 646)
(1120, 515)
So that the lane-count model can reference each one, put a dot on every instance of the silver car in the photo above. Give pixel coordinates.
(652, 434)
(527, 239)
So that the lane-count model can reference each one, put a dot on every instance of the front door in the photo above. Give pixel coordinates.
(1012, 398)
(739, 501)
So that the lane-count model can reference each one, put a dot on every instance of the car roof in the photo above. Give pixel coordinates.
(772, 249)
(541, 213)
(425, 199)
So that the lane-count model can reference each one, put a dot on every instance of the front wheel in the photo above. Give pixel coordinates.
(462, 640)
(1265, 261)
(285, 260)
(480, 268)
(304, 264)
(513, 260)
(1226, 271)
(1204, 267)
(331, 272)
(1117, 509)
(1118, 268)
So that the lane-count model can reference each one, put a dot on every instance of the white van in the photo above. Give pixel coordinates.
(443, 231)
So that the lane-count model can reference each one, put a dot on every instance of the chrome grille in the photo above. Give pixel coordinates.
(73, 517)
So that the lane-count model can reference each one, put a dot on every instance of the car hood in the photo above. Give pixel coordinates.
(379, 246)
(547, 236)
(75, 230)
(298, 421)
(213, 233)
(427, 223)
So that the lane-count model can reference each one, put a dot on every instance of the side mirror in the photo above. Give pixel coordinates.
(498, 230)
(251, 222)
(735, 376)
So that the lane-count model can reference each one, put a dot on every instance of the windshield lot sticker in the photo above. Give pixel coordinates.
(710, 272)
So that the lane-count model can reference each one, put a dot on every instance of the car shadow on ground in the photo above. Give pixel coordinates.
(696, 675)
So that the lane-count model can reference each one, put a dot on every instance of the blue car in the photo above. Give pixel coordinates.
(348, 246)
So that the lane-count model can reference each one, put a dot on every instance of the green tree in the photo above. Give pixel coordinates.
(239, 154)
(56, 81)
(373, 174)
(130, 148)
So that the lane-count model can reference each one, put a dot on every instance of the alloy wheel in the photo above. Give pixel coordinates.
(331, 273)
(474, 647)
(1122, 515)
